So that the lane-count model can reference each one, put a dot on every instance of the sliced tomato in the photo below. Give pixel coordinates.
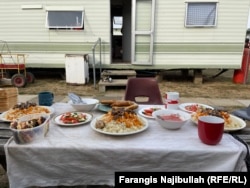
(147, 114)
(192, 107)
(70, 121)
(73, 117)
(149, 110)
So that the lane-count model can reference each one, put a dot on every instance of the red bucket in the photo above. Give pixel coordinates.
(240, 75)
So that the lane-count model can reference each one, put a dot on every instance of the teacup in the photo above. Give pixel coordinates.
(45, 98)
(210, 129)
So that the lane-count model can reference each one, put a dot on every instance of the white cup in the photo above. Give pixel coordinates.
(173, 95)
(172, 100)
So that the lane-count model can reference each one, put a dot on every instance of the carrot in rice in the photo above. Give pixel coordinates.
(128, 119)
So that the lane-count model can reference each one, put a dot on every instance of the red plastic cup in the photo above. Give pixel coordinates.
(210, 129)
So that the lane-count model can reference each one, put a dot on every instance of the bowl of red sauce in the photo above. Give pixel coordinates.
(171, 118)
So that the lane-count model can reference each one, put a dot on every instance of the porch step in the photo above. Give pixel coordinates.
(127, 73)
(115, 82)
(118, 77)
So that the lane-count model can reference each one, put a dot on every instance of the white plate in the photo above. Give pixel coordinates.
(59, 122)
(184, 105)
(146, 116)
(92, 124)
(2, 116)
(236, 120)
(240, 122)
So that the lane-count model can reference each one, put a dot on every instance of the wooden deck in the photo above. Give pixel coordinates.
(115, 82)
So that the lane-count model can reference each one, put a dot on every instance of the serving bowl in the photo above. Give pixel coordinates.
(29, 128)
(171, 118)
(87, 105)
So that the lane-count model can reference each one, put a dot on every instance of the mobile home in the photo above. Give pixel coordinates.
(133, 34)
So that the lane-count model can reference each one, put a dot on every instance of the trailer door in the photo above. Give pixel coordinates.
(143, 12)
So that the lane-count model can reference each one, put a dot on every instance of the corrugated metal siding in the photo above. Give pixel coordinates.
(29, 25)
(221, 46)
(175, 45)
(190, 61)
(24, 30)
(170, 17)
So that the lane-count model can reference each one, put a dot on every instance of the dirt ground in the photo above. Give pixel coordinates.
(221, 86)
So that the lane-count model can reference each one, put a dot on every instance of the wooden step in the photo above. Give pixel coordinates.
(128, 73)
(115, 82)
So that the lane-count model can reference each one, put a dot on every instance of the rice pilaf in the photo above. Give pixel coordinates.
(22, 109)
(120, 121)
(229, 122)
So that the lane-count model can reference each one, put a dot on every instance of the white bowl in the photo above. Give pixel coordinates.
(27, 135)
(90, 104)
(176, 122)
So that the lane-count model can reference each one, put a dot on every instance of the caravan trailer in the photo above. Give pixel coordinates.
(127, 34)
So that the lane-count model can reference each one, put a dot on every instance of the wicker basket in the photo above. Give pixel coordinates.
(8, 98)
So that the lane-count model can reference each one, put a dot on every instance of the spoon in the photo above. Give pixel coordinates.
(76, 99)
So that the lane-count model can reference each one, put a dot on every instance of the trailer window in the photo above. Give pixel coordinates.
(201, 14)
(64, 20)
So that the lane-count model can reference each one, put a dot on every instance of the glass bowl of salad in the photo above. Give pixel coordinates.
(30, 128)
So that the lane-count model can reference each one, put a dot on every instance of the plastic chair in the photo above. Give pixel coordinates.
(143, 91)
(243, 113)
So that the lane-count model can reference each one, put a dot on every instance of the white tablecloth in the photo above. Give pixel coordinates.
(82, 156)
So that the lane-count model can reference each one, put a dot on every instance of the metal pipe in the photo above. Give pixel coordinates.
(93, 66)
